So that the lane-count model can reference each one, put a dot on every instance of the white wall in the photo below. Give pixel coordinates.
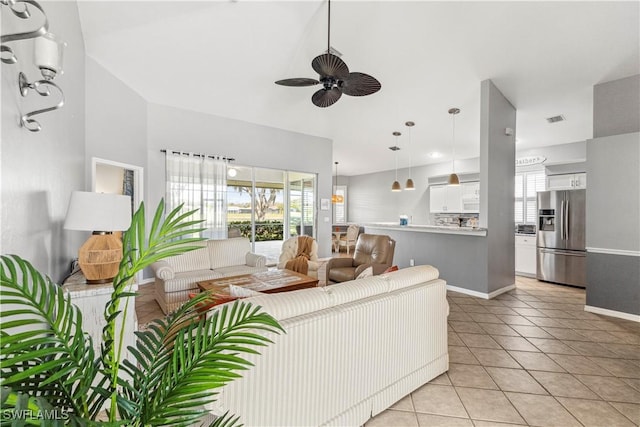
(40, 170)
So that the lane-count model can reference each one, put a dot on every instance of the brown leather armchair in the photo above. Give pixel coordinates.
(372, 250)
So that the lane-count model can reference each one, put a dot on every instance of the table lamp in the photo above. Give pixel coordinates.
(102, 213)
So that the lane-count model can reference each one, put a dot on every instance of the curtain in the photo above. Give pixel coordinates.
(199, 183)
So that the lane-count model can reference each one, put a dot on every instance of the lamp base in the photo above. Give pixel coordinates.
(99, 258)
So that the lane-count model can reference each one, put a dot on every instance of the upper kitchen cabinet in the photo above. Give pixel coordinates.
(470, 197)
(567, 181)
(445, 199)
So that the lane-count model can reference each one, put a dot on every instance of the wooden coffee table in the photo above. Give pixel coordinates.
(267, 281)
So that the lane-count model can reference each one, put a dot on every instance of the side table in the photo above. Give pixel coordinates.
(91, 300)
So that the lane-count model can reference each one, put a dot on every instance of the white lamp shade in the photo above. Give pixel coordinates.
(98, 212)
(48, 52)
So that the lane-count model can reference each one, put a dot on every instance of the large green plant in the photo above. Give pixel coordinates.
(49, 368)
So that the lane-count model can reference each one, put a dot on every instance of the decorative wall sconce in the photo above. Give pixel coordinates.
(20, 8)
(47, 57)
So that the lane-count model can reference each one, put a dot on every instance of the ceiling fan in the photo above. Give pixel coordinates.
(334, 76)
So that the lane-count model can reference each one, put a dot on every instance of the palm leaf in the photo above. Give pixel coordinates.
(202, 360)
(54, 349)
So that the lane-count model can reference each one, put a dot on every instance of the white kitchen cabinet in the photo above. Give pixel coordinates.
(525, 247)
(567, 181)
(470, 197)
(445, 199)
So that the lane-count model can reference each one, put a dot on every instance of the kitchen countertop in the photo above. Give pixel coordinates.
(467, 231)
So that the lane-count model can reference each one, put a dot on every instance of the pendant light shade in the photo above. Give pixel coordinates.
(335, 197)
(453, 178)
(409, 184)
(395, 187)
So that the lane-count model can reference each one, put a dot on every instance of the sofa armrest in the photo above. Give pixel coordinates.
(255, 260)
(163, 270)
(379, 268)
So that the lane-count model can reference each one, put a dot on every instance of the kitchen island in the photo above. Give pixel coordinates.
(459, 253)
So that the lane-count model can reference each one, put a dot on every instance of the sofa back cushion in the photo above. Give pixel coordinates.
(228, 252)
(373, 249)
(190, 261)
(407, 277)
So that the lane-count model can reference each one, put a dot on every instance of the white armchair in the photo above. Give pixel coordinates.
(289, 251)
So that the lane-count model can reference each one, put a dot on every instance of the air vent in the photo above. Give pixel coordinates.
(556, 119)
(394, 148)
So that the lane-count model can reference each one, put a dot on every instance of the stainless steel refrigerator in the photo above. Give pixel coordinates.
(561, 254)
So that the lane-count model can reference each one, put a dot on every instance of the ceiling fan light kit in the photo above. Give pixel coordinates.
(335, 77)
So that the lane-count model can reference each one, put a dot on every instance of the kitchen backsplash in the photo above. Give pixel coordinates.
(451, 219)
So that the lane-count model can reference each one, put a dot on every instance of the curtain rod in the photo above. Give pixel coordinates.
(215, 157)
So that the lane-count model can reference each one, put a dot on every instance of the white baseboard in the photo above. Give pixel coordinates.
(147, 281)
(612, 313)
(481, 294)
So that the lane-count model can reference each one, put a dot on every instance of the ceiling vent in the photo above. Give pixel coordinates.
(556, 119)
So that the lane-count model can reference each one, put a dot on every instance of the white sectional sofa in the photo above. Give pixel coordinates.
(176, 277)
(350, 351)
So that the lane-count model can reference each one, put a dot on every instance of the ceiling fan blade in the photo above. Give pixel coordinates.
(328, 65)
(326, 97)
(359, 84)
(298, 82)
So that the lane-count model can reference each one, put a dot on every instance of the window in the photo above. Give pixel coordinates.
(340, 208)
(527, 186)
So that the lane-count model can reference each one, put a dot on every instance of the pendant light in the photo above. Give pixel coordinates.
(336, 198)
(395, 187)
(453, 177)
(409, 184)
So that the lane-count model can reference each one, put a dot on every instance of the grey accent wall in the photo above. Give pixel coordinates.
(40, 170)
(616, 107)
(116, 120)
(613, 195)
(370, 198)
(250, 144)
(613, 282)
(461, 260)
(497, 184)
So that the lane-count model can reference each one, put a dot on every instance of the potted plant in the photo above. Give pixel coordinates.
(50, 374)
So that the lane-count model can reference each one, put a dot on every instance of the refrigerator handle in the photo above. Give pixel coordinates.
(562, 219)
(566, 220)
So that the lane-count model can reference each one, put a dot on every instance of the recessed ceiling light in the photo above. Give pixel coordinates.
(435, 155)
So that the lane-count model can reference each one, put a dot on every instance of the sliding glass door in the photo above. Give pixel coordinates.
(269, 206)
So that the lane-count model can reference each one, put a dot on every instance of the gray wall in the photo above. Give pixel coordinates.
(613, 209)
(497, 184)
(116, 120)
(370, 198)
(250, 144)
(613, 198)
(40, 170)
(616, 107)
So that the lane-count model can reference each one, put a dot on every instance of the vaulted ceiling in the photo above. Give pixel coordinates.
(222, 57)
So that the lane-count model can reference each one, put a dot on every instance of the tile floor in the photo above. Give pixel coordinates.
(531, 356)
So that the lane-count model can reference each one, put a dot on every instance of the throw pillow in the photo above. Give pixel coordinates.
(240, 292)
(390, 269)
(365, 273)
